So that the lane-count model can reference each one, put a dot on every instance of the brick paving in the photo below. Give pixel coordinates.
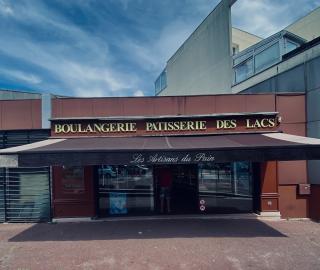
(162, 244)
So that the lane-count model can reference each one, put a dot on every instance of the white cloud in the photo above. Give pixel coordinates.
(153, 55)
(258, 17)
(138, 93)
(21, 76)
(83, 62)
(89, 74)
(5, 8)
(266, 17)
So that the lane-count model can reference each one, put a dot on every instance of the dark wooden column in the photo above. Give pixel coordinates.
(79, 202)
(269, 187)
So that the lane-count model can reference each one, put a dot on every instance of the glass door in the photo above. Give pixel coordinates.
(176, 189)
(125, 190)
(225, 187)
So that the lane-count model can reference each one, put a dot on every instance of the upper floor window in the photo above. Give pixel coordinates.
(290, 45)
(263, 55)
(267, 57)
(161, 82)
(244, 70)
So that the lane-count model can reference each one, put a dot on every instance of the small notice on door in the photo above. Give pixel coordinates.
(118, 203)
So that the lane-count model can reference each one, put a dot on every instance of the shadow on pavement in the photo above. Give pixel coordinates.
(146, 229)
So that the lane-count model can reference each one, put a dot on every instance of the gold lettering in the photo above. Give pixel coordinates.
(176, 125)
(248, 124)
(170, 126)
(133, 127)
(190, 125)
(272, 122)
(202, 125)
(226, 124)
(257, 124)
(73, 128)
(57, 128)
(112, 127)
(66, 128)
(122, 127)
(151, 126)
(105, 127)
(148, 126)
(97, 127)
(220, 124)
(183, 125)
(89, 128)
(233, 123)
(80, 129)
(265, 123)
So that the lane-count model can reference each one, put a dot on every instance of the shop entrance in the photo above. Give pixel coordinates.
(176, 189)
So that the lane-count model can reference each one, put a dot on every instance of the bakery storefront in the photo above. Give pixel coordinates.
(173, 164)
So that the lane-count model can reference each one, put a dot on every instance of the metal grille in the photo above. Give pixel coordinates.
(2, 201)
(11, 138)
(26, 194)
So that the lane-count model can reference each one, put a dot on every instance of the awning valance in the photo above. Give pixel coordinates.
(161, 150)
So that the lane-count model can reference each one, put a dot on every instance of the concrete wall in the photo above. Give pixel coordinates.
(10, 95)
(291, 173)
(159, 106)
(313, 113)
(20, 114)
(287, 76)
(202, 65)
(25, 97)
(301, 78)
(307, 27)
(243, 39)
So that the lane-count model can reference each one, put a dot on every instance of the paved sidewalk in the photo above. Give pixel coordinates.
(162, 244)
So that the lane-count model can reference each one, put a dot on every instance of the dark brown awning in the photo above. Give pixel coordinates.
(158, 150)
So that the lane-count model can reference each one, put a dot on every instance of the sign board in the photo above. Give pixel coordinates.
(165, 126)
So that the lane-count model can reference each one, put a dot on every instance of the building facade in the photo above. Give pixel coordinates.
(239, 147)
(287, 62)
(106, 157)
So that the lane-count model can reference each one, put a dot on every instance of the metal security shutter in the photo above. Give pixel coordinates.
(11, 138)
(27, 195)
(24, 192)
(2, 198)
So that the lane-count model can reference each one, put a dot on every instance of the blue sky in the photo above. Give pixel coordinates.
(112, 47)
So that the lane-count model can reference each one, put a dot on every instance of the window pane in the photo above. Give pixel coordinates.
(27, 194)
(163, 78)
(226, 187)
(157, 85)
(290, 46)
(73, 180)
(267, 57)
(2, 191)
(242, 178)
(125, 190)
(238, 59)
(243, 71)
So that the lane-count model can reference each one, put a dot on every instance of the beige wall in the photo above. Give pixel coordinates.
(243, 39)
(307, 27)
(203, 64)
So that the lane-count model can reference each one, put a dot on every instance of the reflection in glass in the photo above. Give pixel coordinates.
(243, 71)
(125, 189)
(27, 194)
(267, 57)
(226, 187)
(73, 180)
(290, 45)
